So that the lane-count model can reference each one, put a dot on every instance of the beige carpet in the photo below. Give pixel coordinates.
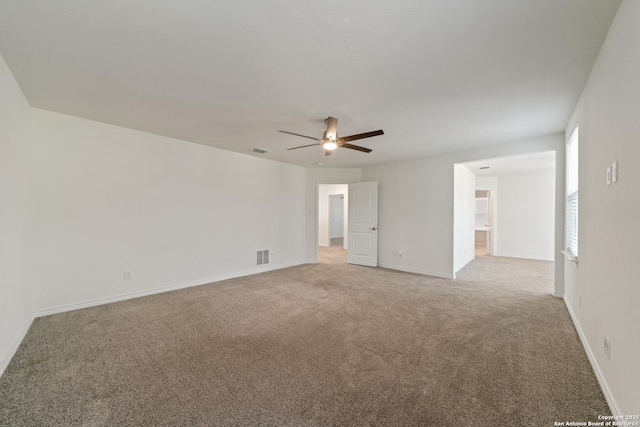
(314, 345)
(332, 255)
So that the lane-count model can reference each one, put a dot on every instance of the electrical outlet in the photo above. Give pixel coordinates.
(614, 172)
(607, 347)
(127, 275)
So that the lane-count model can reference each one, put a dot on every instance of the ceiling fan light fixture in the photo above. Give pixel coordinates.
(330, 145)
(330, 140)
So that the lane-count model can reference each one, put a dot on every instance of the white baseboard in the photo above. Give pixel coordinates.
(122, 297)
(14, 347)
(100, 301)
(521, 256)
(417, 271)
(594, 364)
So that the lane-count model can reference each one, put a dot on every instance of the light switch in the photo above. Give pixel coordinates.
(609, 175)
(614, 172)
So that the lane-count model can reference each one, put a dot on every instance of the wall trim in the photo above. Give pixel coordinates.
(122, 297)
(16, 344)
(417, 271)
(594, 364)
(558, 295)
(536, 258)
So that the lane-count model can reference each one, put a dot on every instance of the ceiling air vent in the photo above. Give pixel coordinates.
(263, 257)
(259, 150)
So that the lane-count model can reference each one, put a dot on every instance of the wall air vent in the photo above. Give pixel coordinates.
(263, 257)
(259, 150)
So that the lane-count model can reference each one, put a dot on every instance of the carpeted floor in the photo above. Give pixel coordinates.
(337, 241)
(316, 345)
(332, 255)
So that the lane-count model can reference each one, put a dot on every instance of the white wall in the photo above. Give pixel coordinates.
(608, 277)
(108, 199)
(15, 297)
(324, 191)
(526, 213)
(337, 217)
(464, 215)
(314, 177)
(417, 199)
(486, 182)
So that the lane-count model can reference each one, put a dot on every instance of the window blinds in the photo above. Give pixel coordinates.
(572, 194)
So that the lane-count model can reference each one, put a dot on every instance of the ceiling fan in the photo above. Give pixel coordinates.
(330, 140)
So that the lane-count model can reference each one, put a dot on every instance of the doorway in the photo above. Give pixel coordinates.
(515, 205)
(332, 223)
(524, 191)
(484, 223)
(359, 204)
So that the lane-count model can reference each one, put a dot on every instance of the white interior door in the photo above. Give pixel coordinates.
(363, 224)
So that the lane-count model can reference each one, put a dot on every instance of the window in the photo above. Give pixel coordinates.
(571, 240)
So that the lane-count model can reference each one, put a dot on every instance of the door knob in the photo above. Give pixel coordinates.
(373, 228)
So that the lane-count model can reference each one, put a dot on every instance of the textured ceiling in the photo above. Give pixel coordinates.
(437, 76)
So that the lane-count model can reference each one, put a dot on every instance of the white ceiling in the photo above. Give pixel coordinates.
(514, 165)
(435, 75)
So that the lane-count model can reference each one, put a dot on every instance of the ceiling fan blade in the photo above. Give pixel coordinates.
(355, 147)
(328, 152)
(297, 134)
(303, 146)
(360, 136)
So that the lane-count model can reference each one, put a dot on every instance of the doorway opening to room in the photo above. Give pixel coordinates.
(506, 207)
(484, 223)
(333, 223)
